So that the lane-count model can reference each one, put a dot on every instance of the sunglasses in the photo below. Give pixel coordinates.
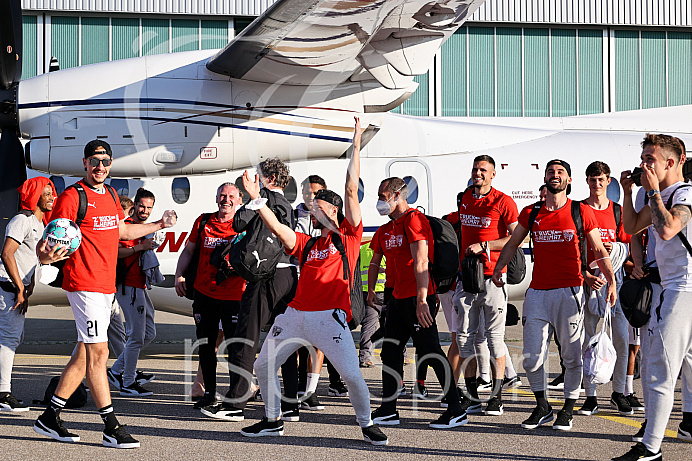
(93, 161)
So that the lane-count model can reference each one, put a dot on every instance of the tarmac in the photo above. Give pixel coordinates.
(169, 428)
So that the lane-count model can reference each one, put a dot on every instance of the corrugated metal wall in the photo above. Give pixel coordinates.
(222, 7)
(613, 12)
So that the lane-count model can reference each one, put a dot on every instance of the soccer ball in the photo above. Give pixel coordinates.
(63, 232)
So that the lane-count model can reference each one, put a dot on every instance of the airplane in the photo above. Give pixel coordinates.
(289, 86)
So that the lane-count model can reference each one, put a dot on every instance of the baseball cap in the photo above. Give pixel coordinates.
(566, 166)
(90, 148)
(332, 197)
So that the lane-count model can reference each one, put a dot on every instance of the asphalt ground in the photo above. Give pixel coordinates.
(169, 428)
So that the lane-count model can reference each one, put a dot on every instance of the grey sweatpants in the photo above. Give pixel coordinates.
(620, 342)
(670, 350)
(140, 329)
(558, 311)
(327, 331)
(116, 331)
(368, 327)
(11, 333)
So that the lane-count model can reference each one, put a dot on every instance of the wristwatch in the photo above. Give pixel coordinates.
(653, 192)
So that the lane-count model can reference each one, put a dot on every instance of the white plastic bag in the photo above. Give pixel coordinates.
(600, 355)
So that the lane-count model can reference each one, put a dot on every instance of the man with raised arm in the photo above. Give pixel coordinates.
(320, 312)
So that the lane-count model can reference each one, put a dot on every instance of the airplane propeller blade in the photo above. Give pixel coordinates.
(12, 166)
(11, 41)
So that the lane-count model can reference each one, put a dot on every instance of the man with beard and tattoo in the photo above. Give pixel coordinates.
(555, 301)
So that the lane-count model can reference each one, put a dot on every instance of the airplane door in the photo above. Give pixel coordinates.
(417, 176)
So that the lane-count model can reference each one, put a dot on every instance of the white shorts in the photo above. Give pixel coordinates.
(92, 315)
(634, 336)
(448, 309)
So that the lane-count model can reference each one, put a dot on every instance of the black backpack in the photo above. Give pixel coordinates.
(578, 223)
(81, 213)
(77, 400)
(255, 252)
(445, 265)
(190, 272)
(355, 282)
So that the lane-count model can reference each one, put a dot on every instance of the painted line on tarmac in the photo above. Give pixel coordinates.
(615, 419)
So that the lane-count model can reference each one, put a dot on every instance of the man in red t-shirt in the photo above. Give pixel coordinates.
(555, 299)
(89, 279)
(215, 300)
(598, 179)
(487, 217)
(407, 243)
(321, 309)
(136, 305)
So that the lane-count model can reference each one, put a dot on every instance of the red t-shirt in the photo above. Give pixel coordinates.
(92, 266)
(215, 233)
(135, 276)
(393, 240)
(608, 227)
(555, 247)
(321, 285)
(484, 219)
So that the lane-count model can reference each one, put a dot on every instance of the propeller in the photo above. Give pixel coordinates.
(12, 166)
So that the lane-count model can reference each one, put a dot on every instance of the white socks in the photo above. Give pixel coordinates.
(629, 384)
(311, 385)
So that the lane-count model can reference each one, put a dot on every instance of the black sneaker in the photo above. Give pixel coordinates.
(447, 420)
(119, 438)
(373, 434)
(385, 418)
(142, 378)
(590, 407)
(483, 385)
(220, 411)
(558, 383)
(264, 428)
(639, 453)
(337, 390)
(634, 402)
(114, 379)
(509, 383)
(51, 426)
(494, 407)
(563, 422)
(134, 390)
(471, 406)
(419, 391)
(685, 431)
(292, 414)
(206, 400)
(639, 436)
(619, 401)
(311, 403)
(538, 417)
(445, 404)
(10, 403)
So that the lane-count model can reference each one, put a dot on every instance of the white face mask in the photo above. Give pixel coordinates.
(383, 207)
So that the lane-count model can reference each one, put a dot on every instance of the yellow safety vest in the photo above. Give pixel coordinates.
(365, 258)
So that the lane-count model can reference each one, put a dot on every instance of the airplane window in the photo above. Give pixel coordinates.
(180, 190)
(239, 185)
(412, 189)
(361, 190)
(291, 191)
(613, 190)
(59, 183)
(121, 186)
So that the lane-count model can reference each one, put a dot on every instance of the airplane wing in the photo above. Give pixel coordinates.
(327, 42)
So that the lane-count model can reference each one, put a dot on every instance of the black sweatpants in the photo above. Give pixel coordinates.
(400, 325)
(207, 313)
(259, 301)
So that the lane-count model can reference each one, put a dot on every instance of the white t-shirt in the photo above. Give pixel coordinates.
(674, 261)
(651, 243)
(27, 231)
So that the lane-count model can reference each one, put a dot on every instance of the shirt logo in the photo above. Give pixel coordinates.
(568, 235)
(470, 220)
(107, 222)
(552, 236)
(394, 241)
(538, 222)
(91, 204)
(321, 254)
(212, 242)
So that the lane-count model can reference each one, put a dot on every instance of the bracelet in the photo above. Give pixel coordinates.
(600, 259)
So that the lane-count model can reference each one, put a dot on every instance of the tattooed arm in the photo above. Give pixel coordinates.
(668, 223)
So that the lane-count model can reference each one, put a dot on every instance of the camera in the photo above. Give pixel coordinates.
(637, 176)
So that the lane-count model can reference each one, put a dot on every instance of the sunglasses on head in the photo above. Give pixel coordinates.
(93, 161)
